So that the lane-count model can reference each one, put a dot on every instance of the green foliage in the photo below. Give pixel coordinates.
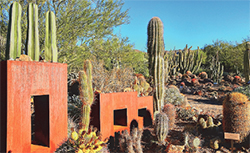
(247, 62)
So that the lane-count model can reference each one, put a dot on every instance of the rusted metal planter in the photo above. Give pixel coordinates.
(47, 82)
(113, 112)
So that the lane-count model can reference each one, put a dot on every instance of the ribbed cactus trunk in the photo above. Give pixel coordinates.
(14, 44)
(50, 37)
(155, 51)
(161, 127)
(247, 62)
(32, 32)
(86, 92)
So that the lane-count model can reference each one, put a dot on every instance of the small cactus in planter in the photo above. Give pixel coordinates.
(161, 127)
(236, 114)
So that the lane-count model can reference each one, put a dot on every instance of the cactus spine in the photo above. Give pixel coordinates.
(236, 115)
(189, 60)
(50, 37)
(86, 92)
(33, 34)
(155, 51)
(13, 48)
(161, 127)
(247, 62)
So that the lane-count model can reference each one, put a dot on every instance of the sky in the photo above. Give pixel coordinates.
(196, 23)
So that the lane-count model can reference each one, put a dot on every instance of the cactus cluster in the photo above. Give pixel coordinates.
(14, 45)
(236, 114)
(215, 143)
(141, 86)
(209, 124)
(155, 45)
(131, 143)
(191, 143)
(171, 64)
(161, 127)
(216, 69)
(82, 141)
(189, 60)
(86, 92)
(247, 62)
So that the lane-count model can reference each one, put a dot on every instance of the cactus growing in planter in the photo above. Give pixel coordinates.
(14, 44)
(50, 37)
(161, 127)
(236, 115)
(86, 92)
(247, 62)
(155, 45)
(32, 32)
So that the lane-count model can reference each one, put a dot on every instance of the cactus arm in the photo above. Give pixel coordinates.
(13, 48)
(33, 34)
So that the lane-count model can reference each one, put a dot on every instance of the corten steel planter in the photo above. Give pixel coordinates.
(47, 82)
(113, 112)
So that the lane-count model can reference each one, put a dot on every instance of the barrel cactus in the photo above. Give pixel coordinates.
(169, 109)
(155, 45)
(236, 112)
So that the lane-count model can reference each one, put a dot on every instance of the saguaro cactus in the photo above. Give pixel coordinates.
(155, 51)
(247, 62)
(86, 92)
(50, 37)
(32, 32)
(13, 48)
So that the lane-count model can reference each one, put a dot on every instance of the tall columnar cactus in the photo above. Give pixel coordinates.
(50, 37)
(189, 60)
(236, 115)
(216, 70)
(161, 127)
(155, 51)
(247, 62)
(32, 32)
(86, 92)
(14, 44)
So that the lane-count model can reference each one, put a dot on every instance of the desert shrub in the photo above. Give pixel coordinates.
(243, 89)
(115, 80)
(74, 107)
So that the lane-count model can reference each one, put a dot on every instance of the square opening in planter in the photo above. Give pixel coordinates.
(40, 121)
(120, 117)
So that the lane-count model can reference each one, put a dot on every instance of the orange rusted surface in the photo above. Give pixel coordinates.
(47, 82)
(113, 112)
